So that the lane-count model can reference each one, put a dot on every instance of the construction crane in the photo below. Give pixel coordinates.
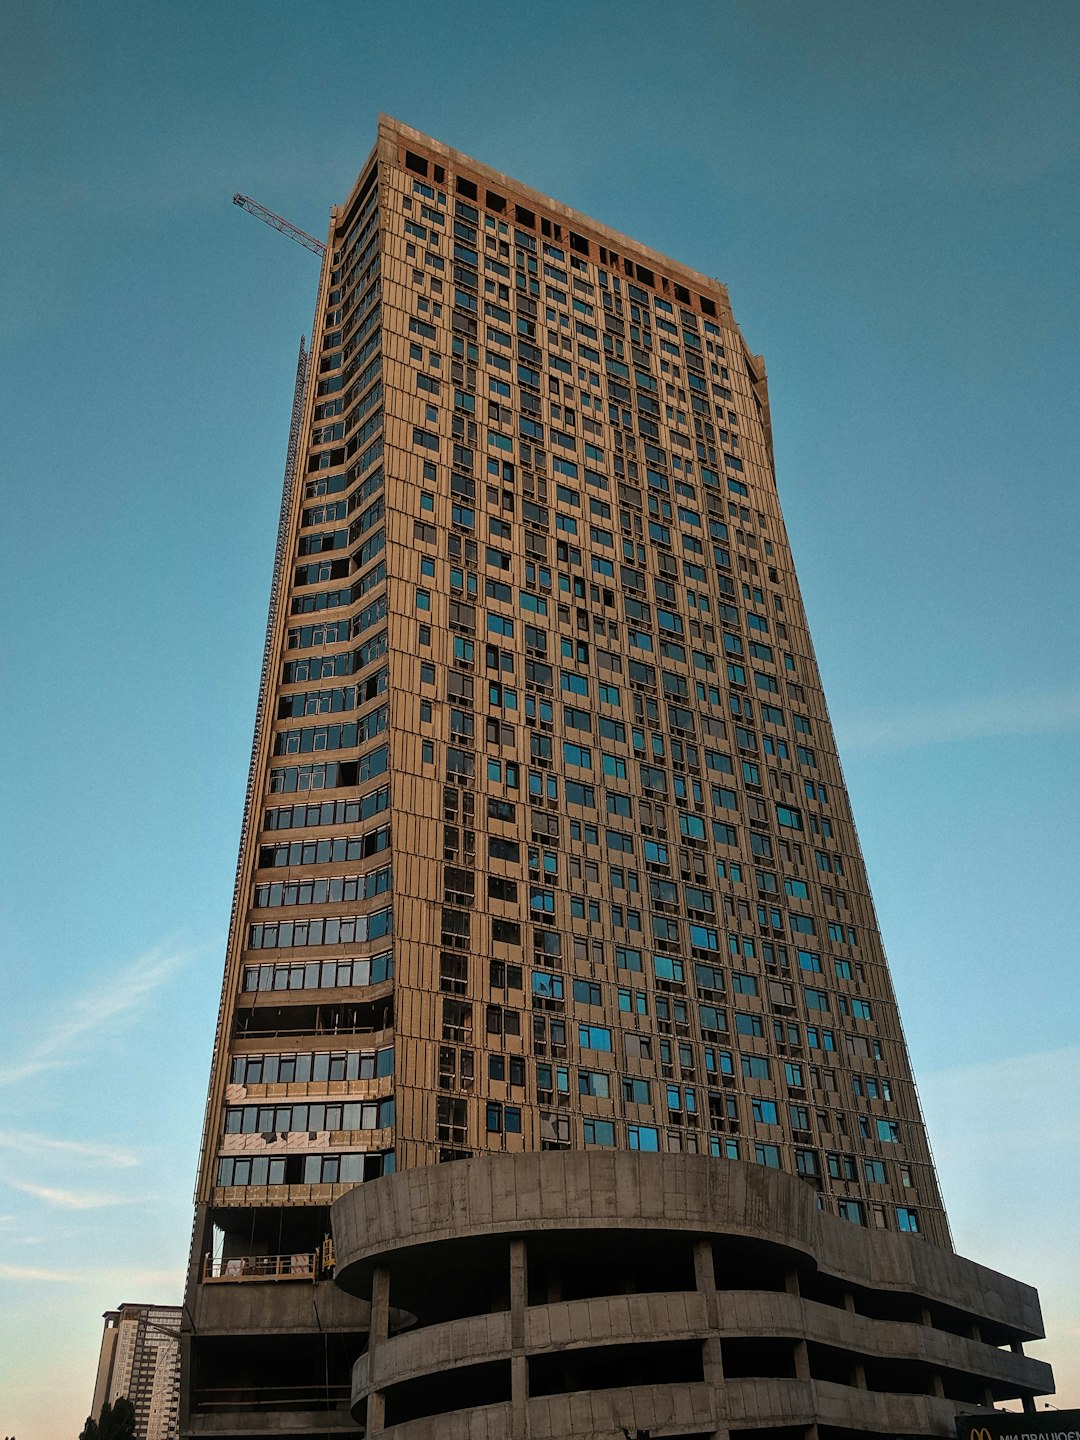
(279, 223)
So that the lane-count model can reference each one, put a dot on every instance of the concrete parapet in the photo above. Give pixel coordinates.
(613, 1315)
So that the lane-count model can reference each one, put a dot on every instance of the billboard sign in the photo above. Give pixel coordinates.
(1001, 1425)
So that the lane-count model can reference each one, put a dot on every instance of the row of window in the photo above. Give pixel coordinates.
(317, 1065)
(319, 892)
(324, 851)
(274, 1120)
(321, 974)
(326, 812)
(346, 1168)
(332, 737)
(328, 775)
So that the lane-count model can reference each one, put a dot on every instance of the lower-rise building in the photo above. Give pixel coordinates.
(140, 1361)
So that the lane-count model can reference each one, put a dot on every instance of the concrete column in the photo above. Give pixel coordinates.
(858, 1375)
(712, 1354)
(519, 1365)
(519, 1292)
(186, 1370)
(791, 1282)
(380, 1307)
(802, 1361)
(377, 1336)
(938, 1384)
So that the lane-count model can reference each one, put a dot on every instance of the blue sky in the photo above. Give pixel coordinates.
(890, 193)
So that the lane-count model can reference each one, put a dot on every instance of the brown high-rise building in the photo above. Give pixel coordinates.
(548, 871)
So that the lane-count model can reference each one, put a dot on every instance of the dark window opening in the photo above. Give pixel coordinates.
(829, 1363)
(461, 1389)
(581, 1266)
(451, 1280)
(368, 1018)
(609, 1367)
(273, 1372)
(898, 1377)
(760, 1358)
(793, 1432)
(822, 1288)
(749, 1265)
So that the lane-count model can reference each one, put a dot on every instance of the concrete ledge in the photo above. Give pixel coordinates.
(681, 1315)
(427, 1234)
(557, 1190)
(486, 1422)
(277, 1307)
(226, 1423)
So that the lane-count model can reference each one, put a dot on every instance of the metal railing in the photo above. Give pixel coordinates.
(271, 1397)
(299, 1266)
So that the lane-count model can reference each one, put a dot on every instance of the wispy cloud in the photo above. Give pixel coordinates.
(30, 1272)
(122, 994)
(71, 1199)
(27, 1143)
(972, 720)
(113, 1279)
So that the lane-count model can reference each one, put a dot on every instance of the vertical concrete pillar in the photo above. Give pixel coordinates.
(519, 1365)
(376, 1410)
(519, 1292)
(802, 1356)
(380, 1306)
(201, 1241)
(712, 1353)
(380, 1329)
(186, 1365)
(802, 1361)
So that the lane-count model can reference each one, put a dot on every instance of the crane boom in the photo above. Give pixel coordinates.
(279, 223)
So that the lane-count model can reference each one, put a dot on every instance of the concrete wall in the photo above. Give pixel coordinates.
(813, 1363)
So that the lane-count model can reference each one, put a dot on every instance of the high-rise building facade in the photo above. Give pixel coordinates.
(548, 868)
(140, 1362)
